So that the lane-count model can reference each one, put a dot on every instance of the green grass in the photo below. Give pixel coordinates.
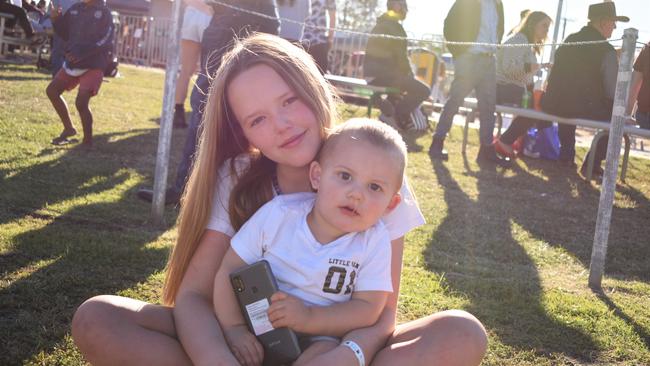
(511, 247)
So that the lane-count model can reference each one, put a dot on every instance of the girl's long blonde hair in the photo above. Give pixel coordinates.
(221, 140)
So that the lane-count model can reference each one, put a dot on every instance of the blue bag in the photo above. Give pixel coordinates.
(544, 142)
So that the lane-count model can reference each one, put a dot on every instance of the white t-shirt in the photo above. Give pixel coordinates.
(319, 274)
(404, 218)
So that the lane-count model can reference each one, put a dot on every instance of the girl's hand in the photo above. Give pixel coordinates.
(288, 311)
(244, 345)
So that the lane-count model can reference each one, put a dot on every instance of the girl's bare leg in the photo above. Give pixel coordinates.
(451, 337)
(113, 330)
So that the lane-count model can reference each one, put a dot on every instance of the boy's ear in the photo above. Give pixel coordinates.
(397, 198)
(314, 175)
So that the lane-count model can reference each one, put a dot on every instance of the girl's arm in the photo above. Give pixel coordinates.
(240, 340)
(196, 324)
(371, 339)
(223, 298)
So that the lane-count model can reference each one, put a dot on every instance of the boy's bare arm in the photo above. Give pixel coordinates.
(362, 310)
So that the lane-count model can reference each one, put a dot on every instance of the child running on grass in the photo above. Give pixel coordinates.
(330, 251)
(87, 28)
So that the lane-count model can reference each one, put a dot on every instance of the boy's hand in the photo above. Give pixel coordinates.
(244, 345)
(288, 311)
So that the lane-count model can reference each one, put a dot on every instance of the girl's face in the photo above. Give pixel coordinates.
(273, 118)
(541, 29)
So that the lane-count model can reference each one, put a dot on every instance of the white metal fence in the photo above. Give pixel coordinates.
(142, 40)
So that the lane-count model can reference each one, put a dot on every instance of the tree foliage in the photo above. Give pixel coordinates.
(359, 15)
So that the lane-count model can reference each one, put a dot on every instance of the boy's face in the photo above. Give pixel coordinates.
(357, 184)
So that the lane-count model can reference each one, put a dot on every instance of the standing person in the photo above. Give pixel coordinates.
(582, 83)
(317, 40)
(386, 63)
(516, 67)
(196, 18)
(640, 90)
(58, 44)
(474, 69)
(269, 111)
(329, 251)
(87, 28)
(226, 25)
(293, 14)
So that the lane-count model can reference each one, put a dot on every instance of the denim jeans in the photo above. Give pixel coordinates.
(472, 72)
(643, 119)
(198, 99)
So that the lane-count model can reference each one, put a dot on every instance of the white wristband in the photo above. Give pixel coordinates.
(358, 352)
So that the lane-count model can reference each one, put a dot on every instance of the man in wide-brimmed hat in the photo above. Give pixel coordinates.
(582, 82)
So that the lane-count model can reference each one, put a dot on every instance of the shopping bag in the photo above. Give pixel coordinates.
(543, 142)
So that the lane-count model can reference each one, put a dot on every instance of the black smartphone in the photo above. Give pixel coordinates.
(253, 286)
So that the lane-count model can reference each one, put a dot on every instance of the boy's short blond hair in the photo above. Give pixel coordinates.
(372, 131)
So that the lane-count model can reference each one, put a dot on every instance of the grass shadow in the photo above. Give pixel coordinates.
(565, 211)
(475, 249)
(638, 328)
(77, 230)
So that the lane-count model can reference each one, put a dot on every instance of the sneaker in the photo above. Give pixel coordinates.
(171, 195)
(530, 153)
(488, 155)
(596, 173)
(179, 118)
(504, 149)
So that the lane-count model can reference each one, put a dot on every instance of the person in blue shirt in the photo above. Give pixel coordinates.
(87, 28)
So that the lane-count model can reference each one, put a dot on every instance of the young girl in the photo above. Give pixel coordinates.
(268, 111)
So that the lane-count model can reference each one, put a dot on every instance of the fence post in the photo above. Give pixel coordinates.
(165, 134)
(608, 188)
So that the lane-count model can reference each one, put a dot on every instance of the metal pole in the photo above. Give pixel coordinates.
(558, 18)
(608, 188)
(164, 138)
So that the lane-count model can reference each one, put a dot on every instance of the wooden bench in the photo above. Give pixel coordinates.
(6, 41)
(600, 126)
(359, 88)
